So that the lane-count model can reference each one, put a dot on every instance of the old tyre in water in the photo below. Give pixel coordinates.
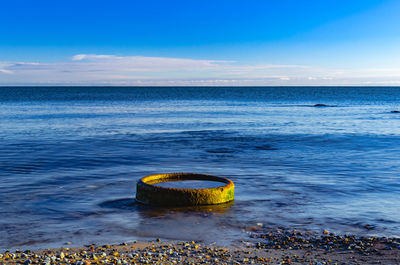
(147, 191)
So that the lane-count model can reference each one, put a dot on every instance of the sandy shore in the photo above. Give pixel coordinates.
(266, 247)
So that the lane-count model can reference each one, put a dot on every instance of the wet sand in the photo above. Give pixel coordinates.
(265, 246)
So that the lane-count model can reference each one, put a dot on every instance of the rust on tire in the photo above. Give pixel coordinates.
(148, 193)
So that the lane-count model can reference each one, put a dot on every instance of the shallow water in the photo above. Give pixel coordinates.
(190, 184)
(70, 159)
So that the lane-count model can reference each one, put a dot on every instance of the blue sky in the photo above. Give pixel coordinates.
(287, 42)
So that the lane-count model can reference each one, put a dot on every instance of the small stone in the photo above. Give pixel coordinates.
(47, 261)
(396, 244)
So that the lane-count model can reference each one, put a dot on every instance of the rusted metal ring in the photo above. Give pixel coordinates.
(147, 193)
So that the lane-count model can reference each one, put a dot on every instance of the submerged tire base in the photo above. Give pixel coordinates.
(150, 194)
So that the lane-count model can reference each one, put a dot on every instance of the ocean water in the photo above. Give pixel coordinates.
(70, 159)
(190, 184)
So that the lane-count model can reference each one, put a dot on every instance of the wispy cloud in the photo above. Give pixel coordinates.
(95, 69)
(4, 70)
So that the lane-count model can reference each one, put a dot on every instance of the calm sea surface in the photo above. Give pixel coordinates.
(70, 159)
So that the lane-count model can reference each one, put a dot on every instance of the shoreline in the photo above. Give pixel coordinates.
(265, 246)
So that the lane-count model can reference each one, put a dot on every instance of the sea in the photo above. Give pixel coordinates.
(307, 158)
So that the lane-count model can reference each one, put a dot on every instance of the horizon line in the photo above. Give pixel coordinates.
(183, 86)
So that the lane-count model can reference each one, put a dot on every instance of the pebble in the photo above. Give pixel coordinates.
(195, 253)
(295, 240)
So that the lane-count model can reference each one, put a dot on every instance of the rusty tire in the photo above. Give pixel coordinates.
(150, 194)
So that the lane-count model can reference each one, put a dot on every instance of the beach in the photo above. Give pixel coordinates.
(188, 132)
(271, 247)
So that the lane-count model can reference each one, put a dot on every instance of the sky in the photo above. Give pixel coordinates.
(200, 43)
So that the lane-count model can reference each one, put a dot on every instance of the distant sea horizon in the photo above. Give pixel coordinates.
(182, 86)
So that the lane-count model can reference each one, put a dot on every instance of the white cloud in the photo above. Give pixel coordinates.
(80, 57)
(94, 69)
(4, 71)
